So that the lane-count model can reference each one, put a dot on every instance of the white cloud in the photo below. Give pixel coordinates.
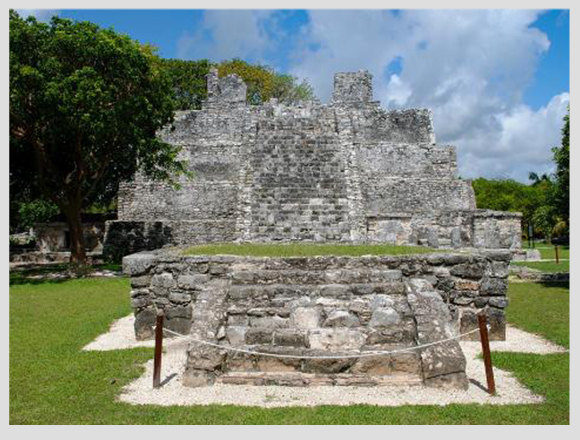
(227, 34)
(522, 142)
(470, 67)
(39, 14)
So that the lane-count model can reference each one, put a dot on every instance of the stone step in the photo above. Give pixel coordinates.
(281, 293)
(314, 379)
(298, 276)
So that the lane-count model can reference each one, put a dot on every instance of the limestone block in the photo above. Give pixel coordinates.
(179, 325)
(385, 317)
(138, 264)
(306, 317)
(164, 280)
(142, 281)
(471, 271)
(257, 336)
(192, 281)
(179, 297)
(205, 357)
(269, 322)
(178, 312)
(341, 318)
(499, 302)
(290, 337)
(236, 335)
(141, 302)
(144, 323)
(338, 339)
(493, 286)
(381, 300)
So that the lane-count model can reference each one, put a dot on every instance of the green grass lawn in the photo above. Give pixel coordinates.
(548, 251)
(303, 249)
(545, 266)
(53, 382)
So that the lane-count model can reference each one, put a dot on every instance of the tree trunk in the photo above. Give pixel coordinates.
(78, 256)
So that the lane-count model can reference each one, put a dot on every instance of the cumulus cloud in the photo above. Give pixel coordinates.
(470, 67)
(39, 14)
(227, 34)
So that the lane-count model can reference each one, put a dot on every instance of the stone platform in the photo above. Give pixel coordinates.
(320, 306)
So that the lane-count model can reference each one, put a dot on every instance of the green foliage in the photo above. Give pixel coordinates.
(36, 211)
(510, 195)
(560, 198)
(85, 106)
(188, 80)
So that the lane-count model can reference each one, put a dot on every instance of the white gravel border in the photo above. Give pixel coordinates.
(140, 391)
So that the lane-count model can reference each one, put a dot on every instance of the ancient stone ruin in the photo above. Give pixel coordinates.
(346, 172)
(321, 306)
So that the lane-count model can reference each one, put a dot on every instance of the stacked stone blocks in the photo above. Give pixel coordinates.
(348, 171)
(319, 306)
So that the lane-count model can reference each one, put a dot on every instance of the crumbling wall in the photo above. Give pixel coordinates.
(320, 305)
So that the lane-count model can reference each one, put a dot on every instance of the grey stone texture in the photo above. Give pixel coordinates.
(320, 306)
(348, 171)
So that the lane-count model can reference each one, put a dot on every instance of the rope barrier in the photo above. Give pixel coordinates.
(346, 356)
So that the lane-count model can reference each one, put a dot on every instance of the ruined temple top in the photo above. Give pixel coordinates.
(349, 88)
(353, 87)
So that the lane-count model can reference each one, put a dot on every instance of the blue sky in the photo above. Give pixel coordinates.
(497, 81)
(164, 28)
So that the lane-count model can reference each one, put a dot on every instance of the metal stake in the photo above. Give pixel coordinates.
(158, 350)
(486, 353)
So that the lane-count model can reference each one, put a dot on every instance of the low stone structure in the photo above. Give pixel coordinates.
(321, 306)
(348, 171)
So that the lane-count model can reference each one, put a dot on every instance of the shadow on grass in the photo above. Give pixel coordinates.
(51, 273)
(559, 285)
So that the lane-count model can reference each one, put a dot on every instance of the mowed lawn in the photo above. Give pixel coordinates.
(303, 249)
(53, 382)
(549, 253)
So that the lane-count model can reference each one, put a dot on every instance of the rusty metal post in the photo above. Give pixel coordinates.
(486, 352)
(158, 350)
(557, 254)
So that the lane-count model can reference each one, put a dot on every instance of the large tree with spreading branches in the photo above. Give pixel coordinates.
(85, 106)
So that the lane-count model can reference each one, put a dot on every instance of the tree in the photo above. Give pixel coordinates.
(85, 106)
(264, 83)
(188, 80)
(509, 195)
(560, 197)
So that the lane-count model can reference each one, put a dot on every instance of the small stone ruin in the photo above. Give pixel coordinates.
(345, 172)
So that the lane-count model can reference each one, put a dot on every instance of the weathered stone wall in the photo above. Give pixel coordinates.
(339, 172)
(447, 228)
(321, 305)
(55, 237)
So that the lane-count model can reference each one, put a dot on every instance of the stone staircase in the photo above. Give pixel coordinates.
(290, 309)
(299, 186)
